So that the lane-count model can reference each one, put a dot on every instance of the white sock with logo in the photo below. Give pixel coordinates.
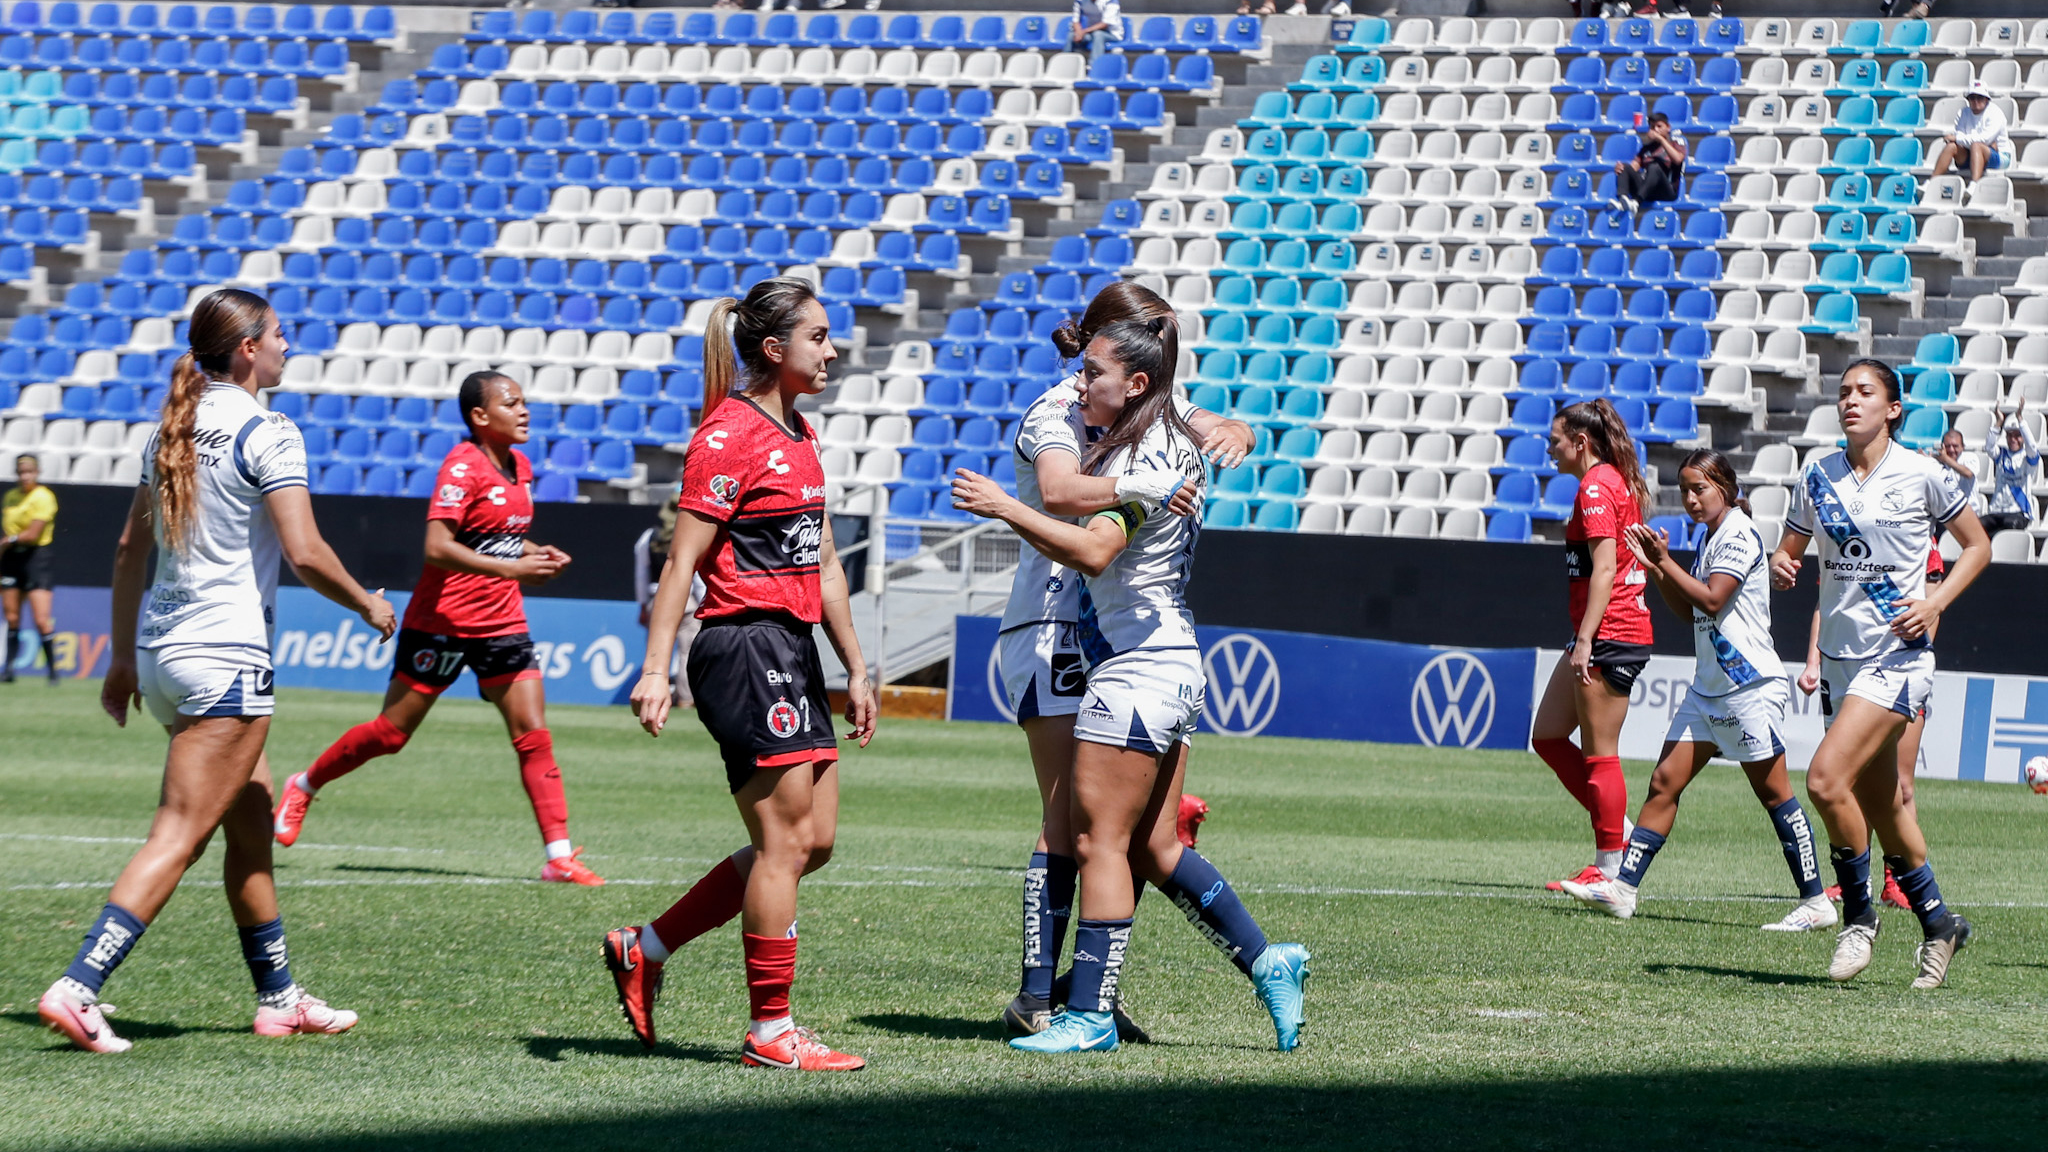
(557, 849)
(769, 1031)
(304, 785)
(652, 947)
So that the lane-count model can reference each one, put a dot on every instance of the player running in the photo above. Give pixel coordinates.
(1144, 693)
(1875, 506)
(754, 526)
(467, 611)
(1610, 644)
(1040, 654)
(1736, 704)
(223, 494)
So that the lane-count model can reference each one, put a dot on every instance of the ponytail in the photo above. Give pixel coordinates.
(736, 329)
(1607, 433)
(719, 368)
(219, 325)
(1153, 348)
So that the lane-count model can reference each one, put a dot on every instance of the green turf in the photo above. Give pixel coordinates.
(1453, 1004)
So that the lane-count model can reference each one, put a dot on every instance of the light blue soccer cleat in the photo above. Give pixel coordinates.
(1278, 975)
(1072, 1031)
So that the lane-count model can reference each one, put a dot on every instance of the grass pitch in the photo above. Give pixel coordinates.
(1453, 1003)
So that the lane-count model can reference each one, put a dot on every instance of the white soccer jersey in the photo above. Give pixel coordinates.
(1139, 601)
(1874, 535)
(222, 588)
(1734, 648)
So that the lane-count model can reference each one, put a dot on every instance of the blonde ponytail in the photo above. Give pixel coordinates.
(720, 366)
(177, 460)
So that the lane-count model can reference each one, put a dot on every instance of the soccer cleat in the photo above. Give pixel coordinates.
(797, 1050)
(1610, 896)
(1818, 912)
(1937, 950)
(309, 1015)
(1026, 1015)
(1072, 1031)
(1893, 894)
(78, 1017)
(291, 811)
(1852, 950)
(569, 870)
(1278, 976)
(1592, 875)
(1188, 825)
(637, 979)
(1127, 1029)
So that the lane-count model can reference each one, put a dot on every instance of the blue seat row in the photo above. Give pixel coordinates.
(906, 30)
(345, 479)
(1607, 305)
(1616, 343)
(1656, 37)
(66, 18)
(128, 89)
(1657, 227)
(81, 193)
(142, 54)
(98, 158)
(1586, 112)
(1590, 379)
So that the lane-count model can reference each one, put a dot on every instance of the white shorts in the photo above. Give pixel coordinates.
(1746, 724)
(1042, 670)
(1900, 680)
(204, 680)
(1147, 701)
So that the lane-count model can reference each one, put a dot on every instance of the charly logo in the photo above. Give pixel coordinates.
(1452, 701)
(1244, 685)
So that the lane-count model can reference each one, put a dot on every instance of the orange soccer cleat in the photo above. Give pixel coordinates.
(291, 810)
(638, 980)
(1188, 825)
(797, 1050)
(569, 870)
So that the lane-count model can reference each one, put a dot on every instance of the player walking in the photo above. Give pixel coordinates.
(223, 494)
(1875, 506)
(1736, 704)
(754, 526)
(1610, 644)
(1039, 650)
(28, 517)
(1144, 693)
(467, 611)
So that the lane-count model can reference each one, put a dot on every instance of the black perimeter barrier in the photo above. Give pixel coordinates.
(1453, 592)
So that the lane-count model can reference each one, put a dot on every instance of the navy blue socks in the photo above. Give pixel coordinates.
(107, 942)
(1098, 964)
(1207, 900)
(1795, 835)
(1642, 848)
(1048, 903)
(1852, 872)
(263, 950)
(1922, 893)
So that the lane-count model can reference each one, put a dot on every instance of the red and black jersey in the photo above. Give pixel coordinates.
(1604, 509)
(762, 482)
(491, 512)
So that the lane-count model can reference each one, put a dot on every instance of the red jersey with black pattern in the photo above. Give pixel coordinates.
(491, 513)
(1603, 510)
(764, 485)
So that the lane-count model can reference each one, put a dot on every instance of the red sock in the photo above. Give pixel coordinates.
(710, 902)
(1609, 792)
(1564, 759)
(771, 967)
(543, 783)
(357, 746)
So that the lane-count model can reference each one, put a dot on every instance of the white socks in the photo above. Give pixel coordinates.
(651, 946)
(769, 1031)
(557, 849)
(1609, 863)
(300, 782)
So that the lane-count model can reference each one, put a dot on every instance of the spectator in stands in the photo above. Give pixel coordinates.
(1950, 456)
(1655, 174)
(1100, 23)
(1244, 8)
(1981, 133)
(1917, 11)
(2015, 461)
(30, 521)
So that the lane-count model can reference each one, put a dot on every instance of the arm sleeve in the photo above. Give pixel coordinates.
(1945, 497)
(713, 480)
(1799, 517)
(1735, 553)
(454, 487)
(276, 455)
(1045, 426)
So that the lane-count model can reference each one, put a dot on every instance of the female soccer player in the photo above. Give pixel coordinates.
(467, 611)
(1736, 704)
(1875, 506)
(1039, 652)
(1143, 697)
(223, 493)
(29, 521)
(1610, 644)
(754, 525)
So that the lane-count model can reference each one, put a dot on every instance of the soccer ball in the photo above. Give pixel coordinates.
(2036, 774)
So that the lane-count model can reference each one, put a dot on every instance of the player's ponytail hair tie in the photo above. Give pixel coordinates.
(219, 325)
(1119, 303)
(736, 330)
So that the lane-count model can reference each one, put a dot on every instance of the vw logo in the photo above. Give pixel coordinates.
(997, 694)
(1452, 701)
(1244, 685)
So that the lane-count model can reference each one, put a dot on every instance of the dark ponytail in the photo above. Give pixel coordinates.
(1605, 430)
(1889, 377)
(1153, 348)
(1719, 472)
(1122, 301)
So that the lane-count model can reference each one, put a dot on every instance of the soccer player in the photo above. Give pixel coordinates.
(1040, 654)
(467, 611)
(223, 494)
(754, 525)
(29, 520)
(1144, 693)
(1610, 645)
(1736, 704)
(1875, 506)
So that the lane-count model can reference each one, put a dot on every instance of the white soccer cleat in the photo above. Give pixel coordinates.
(1852, 950)
(308, 1015)
(1610, 896)
(1818, 912)
(1936, 951)
(73, 1013)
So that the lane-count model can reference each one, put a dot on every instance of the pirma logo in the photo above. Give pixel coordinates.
(1452, 702)
(1244, 685)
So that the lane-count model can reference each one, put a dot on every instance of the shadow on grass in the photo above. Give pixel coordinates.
(934, 1027)
(129, 1028)
(1749, 974)
(399, 870)
(553, 1048)
(1962, 1105)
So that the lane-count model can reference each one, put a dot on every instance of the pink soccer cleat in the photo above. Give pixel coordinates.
(1187, 823)
(291, 811)
(1590, 875)
(569, 870)
(75, 1015)
(310, 1015)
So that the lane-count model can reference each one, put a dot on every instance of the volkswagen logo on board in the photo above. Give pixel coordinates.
(1452, 701)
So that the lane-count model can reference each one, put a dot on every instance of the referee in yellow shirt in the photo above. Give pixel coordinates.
(28, 517)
